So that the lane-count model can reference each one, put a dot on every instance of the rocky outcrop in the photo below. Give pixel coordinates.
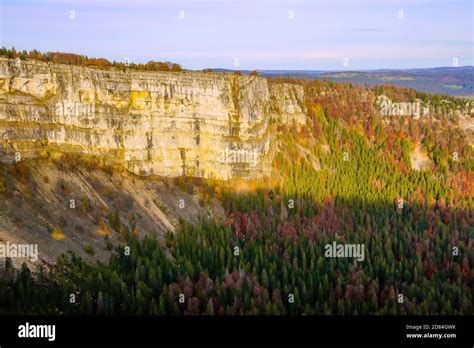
(165, 123)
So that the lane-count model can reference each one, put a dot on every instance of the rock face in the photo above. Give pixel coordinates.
(164, 123)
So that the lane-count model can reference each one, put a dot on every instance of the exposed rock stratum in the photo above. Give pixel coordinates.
(217, 125)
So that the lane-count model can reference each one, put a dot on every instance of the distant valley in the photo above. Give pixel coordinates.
(454, 81)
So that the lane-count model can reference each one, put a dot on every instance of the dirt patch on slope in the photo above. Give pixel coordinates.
(84, 205)
(419, 159)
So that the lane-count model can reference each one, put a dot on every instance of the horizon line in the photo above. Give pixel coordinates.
(346, 69)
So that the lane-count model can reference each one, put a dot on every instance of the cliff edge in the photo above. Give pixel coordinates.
(164, 123)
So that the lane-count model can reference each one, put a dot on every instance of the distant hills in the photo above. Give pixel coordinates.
(455, 81)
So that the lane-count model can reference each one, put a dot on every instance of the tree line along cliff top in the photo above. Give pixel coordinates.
(77, 59)
(81, 60)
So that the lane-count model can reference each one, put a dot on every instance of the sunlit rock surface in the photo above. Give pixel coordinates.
(165, 123)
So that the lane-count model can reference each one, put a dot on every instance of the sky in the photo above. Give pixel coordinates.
(249, 34)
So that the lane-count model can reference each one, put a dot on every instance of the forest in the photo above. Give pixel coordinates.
(346, 177)
(80, 60)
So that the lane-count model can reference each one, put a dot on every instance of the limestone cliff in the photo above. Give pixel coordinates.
(165, 123)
